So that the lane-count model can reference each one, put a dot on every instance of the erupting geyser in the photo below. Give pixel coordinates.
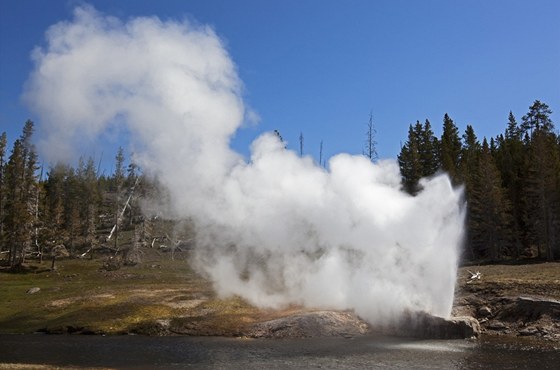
(275, 230)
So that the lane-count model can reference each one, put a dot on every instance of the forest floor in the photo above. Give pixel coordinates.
(161, 296)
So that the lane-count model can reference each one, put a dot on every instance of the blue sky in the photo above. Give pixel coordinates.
(319, 66)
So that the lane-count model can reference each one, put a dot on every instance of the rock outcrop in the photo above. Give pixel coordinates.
(346, 324)
(516, 316)
(426, 326)
(311, 324)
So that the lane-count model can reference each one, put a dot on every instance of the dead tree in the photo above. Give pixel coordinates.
(120, 215)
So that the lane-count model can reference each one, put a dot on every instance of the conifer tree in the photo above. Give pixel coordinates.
(21, 193)
(429, 148)
(55, 200)
(488, 209)
(510, 161)
(16, 216)
(469, 157)
(450, 149)
(418, 157)
(537, 119)
(409, 162)
(3, 145)
(541, 180)
(468, 169)
(90, 198)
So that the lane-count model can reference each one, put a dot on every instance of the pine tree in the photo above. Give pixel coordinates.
(469, 169)
(409, 163)
(429, 148)
(3, 145)
(510, 161)
(20, 201)
(450, 149)
(538, 118)
(418, 157)
(72, 206)
(469, 157)
(16, 216)
(55, 198)
(90, 198)
(541, 180)
(488, 210)
(21, 193)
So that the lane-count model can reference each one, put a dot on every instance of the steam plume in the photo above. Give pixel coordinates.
(275, 230)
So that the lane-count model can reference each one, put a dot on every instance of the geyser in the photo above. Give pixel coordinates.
(277, 229)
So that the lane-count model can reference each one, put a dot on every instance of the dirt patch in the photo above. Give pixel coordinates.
(60, 303)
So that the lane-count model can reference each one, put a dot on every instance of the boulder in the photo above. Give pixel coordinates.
(346, 324)
(528, 309)
(484, 311)
(311, 324)
(528, 331)
(426, 326)
(496, 325)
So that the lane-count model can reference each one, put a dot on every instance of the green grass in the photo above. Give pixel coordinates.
(81, 295)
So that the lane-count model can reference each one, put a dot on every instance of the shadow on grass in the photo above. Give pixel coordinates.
(116, 318)
(23, 269)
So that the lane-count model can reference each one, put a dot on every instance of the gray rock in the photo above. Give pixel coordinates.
(345, 324)
(529, 331)
(426, 326)
(484, 311)
(528, 309)
(496, 325)
(311, 324)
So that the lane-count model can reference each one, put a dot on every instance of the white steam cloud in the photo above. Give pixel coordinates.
(277, 230)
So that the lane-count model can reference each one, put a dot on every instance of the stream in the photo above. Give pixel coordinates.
(139, 352)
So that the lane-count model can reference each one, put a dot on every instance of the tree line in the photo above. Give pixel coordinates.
(511, 182)
(67, 209)
(512, 188)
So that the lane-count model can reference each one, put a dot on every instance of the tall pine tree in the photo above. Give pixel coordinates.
(450, 149)
(488, 210)
(3, 145)
(541, 180)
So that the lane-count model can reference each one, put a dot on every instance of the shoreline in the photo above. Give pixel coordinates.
(166, 298)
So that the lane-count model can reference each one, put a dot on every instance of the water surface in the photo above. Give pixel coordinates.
(138, 352)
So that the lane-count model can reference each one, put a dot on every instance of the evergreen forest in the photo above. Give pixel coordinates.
(511, 182)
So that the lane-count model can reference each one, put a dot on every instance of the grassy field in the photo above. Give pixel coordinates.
(79, 296)
(536, 279)
(161, 296)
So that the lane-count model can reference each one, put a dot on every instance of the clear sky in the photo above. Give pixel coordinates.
(320, 66)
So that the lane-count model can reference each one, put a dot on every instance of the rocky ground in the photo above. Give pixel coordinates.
(161, 296)
(512, 300)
